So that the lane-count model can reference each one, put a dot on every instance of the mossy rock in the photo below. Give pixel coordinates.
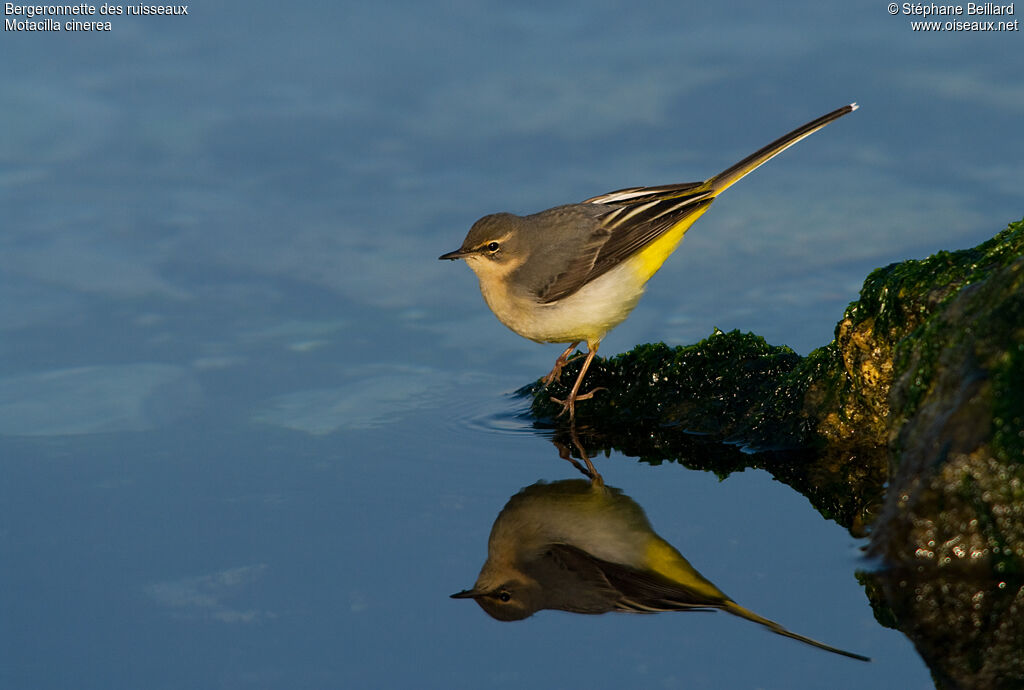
(967, 625)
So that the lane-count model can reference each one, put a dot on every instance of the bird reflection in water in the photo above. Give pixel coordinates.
(577, 545)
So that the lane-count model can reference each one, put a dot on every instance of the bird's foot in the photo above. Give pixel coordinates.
(569, 404)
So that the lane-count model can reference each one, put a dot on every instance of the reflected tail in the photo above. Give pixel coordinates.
(737, 610)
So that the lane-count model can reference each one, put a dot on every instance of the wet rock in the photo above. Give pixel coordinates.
(967, 625)
(957, 430)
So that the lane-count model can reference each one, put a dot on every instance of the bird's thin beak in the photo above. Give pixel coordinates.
(452, 256)
(466, 593)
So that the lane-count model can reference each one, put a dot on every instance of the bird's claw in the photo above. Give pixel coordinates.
(569, 404)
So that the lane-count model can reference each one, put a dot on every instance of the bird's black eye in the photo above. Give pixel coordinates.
(503, 595)
(493, 247)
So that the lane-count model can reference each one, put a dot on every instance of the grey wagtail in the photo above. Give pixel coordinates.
(573, 273)
(584, 547)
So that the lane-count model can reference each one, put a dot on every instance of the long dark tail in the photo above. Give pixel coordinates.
(733, 174)
(737, 610)
(693, 192)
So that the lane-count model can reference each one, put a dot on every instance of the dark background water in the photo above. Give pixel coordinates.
(252, 433)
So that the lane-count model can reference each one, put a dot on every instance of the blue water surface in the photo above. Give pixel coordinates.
(253, 433)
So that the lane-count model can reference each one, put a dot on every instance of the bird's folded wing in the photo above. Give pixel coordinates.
(634, 218)
(634, 590)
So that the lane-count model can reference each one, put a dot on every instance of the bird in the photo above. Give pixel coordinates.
(574, 272)
(585, 547)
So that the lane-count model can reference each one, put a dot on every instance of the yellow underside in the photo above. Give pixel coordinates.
(646, 262)
(666, 561)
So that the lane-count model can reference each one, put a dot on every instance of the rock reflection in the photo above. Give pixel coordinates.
(580, 546)
(967, 625)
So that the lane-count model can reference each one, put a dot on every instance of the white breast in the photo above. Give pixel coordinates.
(587, 314)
